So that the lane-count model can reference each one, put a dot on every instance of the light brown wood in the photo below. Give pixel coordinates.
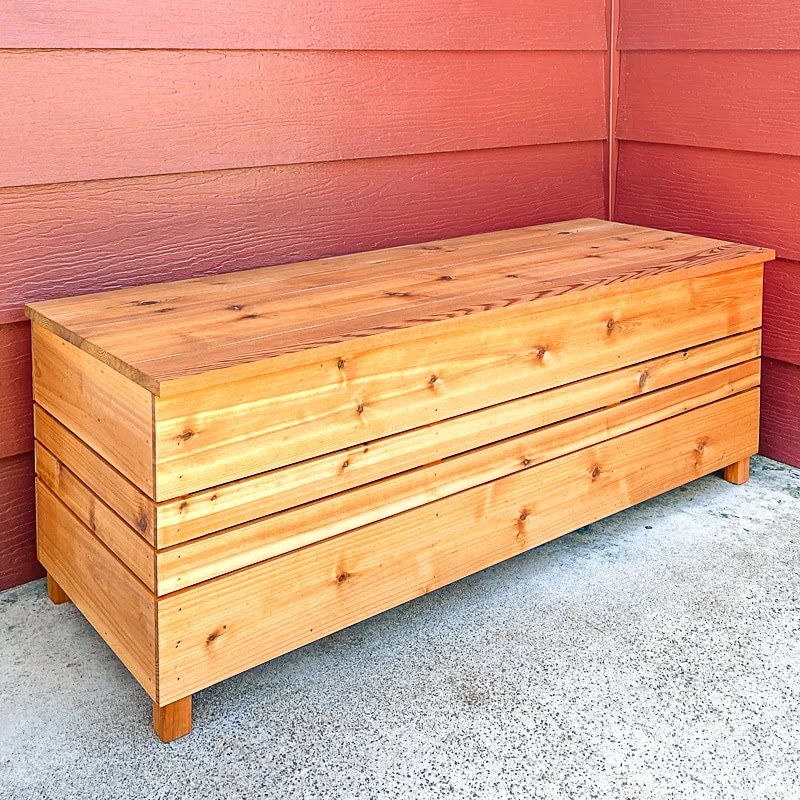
(366, 392)
(239, 502)
(116, 491)
(110, 413)
(738, 472)
(137, 555)
(135, 336)
(115, 602)
(265, 538)
(173, 720)
(216, 629)
(56, 594)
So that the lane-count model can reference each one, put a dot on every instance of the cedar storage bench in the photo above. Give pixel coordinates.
(233, 466)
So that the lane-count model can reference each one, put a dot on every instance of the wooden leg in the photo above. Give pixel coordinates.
(739, 472)
(173, 721)
(56, 594)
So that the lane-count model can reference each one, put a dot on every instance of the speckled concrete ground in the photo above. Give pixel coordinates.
(653, 655)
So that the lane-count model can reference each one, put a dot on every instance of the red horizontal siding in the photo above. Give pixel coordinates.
(782, 312)
(16, 421)
(306, 24)
(710, 24)
(741, 101)
(747, 197)
(18, 562)
(70, 239)
(159, 112)
(780, 411)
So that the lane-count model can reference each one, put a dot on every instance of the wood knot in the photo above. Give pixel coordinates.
(342, 577)
(541, 352)
(523, 516)
(701, 446)
(643, 378)
(446, 278)
(565, 233)
(340, 363)
(214, 635)
(611, 325)
(512, 275)
(433, 379)
(526, 462)
(360, 408)
(183, 506)
(234, 308)
(186, 435)
(142, 524)
(595, 473)
(345, 464)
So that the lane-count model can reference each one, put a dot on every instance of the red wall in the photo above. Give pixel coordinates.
(709, 142)
(229, 134)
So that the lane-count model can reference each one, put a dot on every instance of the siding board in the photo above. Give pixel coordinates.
(782, 311)
(84, 237)
(710, 25)
(742, 101)
(306, 24)
(780, 411)
(18, 562)
(16, 417)
(162, 112)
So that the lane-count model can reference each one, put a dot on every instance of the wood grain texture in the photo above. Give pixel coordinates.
(315, 521)
(16, 428)
(111, 414)
(242, 501)
(114, 602)
(710, 24)
(18, 562)
(782, 311)
(741, 101)
(174, 720)
(780, 412)
(158, 112)
(162, 336)
(132, 550)
(379, 385)
(214, 630)
(752, 197)
(305, 24)
(110, 486)
(77, 238)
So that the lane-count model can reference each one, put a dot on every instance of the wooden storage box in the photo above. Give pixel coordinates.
(231, 467)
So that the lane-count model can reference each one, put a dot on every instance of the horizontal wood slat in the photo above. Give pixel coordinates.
(741, 101)
(116, 604)
(709, 25)
(111, 414)
(227, 551)
(780, 420)
(242, 501)
(306, 24)
(16, 429)
(379, 385)
(18, 562)
(752, 197)
(211, 631)
(158, 112)
(85, 237)
(782, 312)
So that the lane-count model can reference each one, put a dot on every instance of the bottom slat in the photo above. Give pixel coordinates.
(213, 630)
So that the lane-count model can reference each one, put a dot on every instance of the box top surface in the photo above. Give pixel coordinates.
(166, 332)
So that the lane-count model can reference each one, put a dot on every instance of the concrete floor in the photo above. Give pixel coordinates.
(653, 655)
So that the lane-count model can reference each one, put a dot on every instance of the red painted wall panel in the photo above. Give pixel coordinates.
(710, 25)
(305, 24)
(782, 311)
(737, 101)
(16, 420)
(17, 541)
(711, 144)
(780, 411)
(158, 112)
